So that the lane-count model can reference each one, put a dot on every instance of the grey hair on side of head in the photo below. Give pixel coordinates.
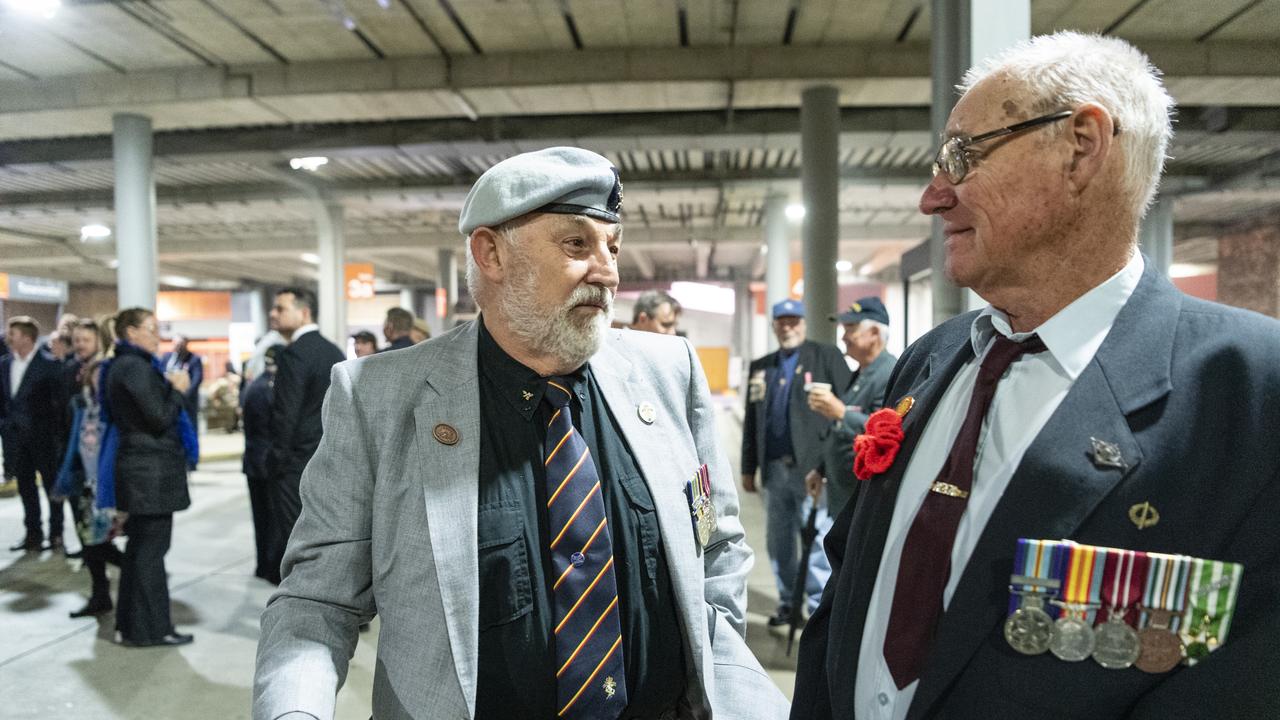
(1067, 69)
(475, 279)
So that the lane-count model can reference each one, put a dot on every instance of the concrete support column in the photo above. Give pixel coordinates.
(1156, 234)
(963, 32)
(135, 205)
(820, 186)
(406, 300)
(259, 311)
(777, 269)
(448, 280)
(742, 316)
(332, 293)
(1249, 269)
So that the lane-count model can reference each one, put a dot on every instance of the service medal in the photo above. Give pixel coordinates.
(1124, 574)
(1160, 652)
(1163, 603)
(1073, 639)
(1029, 628)
(1211, 600)
(1116, 645)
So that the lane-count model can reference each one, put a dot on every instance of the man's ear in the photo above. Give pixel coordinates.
(1091, 130)
(489, 252)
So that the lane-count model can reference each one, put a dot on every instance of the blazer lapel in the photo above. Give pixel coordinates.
(449, 475)
(873, 506)
(665, 460)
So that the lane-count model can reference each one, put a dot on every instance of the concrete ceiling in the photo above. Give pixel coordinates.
(694, 100)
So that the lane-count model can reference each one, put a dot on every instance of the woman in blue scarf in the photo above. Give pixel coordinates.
(157, 444)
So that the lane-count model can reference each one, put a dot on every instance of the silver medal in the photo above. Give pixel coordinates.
(1116, 645)
(1073, 639)
(1029, 630)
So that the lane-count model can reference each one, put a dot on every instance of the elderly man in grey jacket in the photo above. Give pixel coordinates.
(535, 505)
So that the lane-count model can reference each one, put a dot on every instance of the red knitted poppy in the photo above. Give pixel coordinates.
(875, 450)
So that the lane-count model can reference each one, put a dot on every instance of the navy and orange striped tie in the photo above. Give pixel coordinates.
(590, 675)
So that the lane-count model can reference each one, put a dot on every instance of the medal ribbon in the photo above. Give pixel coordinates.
(1166, 586)
(1211, 592)
(1082, 579)
(1124, 577)
(1041, 560)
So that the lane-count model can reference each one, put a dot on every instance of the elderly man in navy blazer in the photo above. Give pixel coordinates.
(1112, 400)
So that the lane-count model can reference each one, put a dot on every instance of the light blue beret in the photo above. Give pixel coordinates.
(565, 180)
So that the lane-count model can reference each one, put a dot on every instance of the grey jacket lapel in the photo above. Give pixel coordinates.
(449, 475)
(664, 458)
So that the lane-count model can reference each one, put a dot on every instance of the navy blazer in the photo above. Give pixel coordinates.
(1187, 389)
(33, 416)
(807, 427)
(297, 394)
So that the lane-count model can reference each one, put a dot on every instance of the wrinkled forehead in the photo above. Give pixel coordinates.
(993, 103)
(553, 224)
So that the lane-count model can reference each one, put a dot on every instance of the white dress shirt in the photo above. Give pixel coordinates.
(18, 368)
(310, 327)
(1028, 394)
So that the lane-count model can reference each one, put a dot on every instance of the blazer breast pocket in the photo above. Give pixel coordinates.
(642, 509)
(506, 587)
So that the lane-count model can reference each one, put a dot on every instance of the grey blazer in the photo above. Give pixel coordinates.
(388, 526)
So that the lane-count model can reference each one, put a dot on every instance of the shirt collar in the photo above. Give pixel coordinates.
(310, 327)
(519, 385)
(1075, 333)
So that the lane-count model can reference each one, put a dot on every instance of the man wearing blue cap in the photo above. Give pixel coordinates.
(782, 438)
(534, 504)
(866, 330)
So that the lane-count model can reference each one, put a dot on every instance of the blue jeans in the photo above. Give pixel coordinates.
(787, 509)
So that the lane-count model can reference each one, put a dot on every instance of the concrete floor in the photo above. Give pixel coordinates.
(52, 667)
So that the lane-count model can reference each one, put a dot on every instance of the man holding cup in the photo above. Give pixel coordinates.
(866, 331)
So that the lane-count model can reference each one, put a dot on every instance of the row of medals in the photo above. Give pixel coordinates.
(1112, 644)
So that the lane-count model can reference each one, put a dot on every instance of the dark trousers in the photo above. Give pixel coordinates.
(286, 505)
(142, 609)
(260, 507)
(95, 559)
(24, 464)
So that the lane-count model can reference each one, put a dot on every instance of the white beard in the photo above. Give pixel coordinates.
(555, 331)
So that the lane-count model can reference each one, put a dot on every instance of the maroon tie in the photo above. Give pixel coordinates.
(925, 565)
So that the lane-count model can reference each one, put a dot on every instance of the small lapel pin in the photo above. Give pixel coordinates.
(445, 434)
(647, 413)
(1107, 454)
(1144, 515)
(527, 395)
(904, 406)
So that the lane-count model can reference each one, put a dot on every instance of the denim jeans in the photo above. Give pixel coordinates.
(787, 509)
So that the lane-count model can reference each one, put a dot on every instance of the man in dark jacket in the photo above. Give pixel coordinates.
(30, 421)
(257, 444)
(183, 359)
(302, 379)
(866, 330)
(781, 438)
(396, 329)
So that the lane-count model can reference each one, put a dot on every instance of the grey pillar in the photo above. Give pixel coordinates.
(406, 300)
(963, 32)
(449, 281)
(259, 311)
(777, 272)
(332, 290)
(820, 186)
(135, 199)
(1156, 234)
(742, 316)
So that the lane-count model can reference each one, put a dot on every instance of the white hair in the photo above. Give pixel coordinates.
(879, 326)
(475, 280)
(1068, 69)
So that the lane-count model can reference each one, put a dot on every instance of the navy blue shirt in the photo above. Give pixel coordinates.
(517, 661)
(777, 428)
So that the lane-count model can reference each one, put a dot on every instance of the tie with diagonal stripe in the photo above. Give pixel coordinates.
(590, 676)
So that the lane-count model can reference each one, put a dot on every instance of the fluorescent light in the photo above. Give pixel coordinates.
(311, 258)
(1181, 270)
(177, 281)
(795, 212)
(310, 164)
(36, 8)
(843, 266)
(704, 297)
(94, 231)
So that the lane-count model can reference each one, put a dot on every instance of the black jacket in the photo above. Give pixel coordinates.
(33, 417)
(151, 465)
(256, 403)
(302, 379)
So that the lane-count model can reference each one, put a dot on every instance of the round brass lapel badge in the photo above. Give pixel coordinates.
(445, 434)
(647, 413)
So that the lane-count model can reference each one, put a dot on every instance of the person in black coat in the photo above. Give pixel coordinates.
(183, 359)
(302, 379)
(256, 406)
(397, 328)
(31, 412)
(151, 476)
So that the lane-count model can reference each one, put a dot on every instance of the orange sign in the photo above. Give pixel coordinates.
(442, 303)
(359, 281)
(4, 285)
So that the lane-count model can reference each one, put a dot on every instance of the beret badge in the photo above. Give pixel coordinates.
(615, 197)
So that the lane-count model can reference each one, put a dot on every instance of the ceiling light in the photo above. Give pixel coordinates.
(311, 258)
(1181, 270)
(843, 266)
(94, 231)
(36, 8)
(310, 164)
(177, 281)
(795, 212)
